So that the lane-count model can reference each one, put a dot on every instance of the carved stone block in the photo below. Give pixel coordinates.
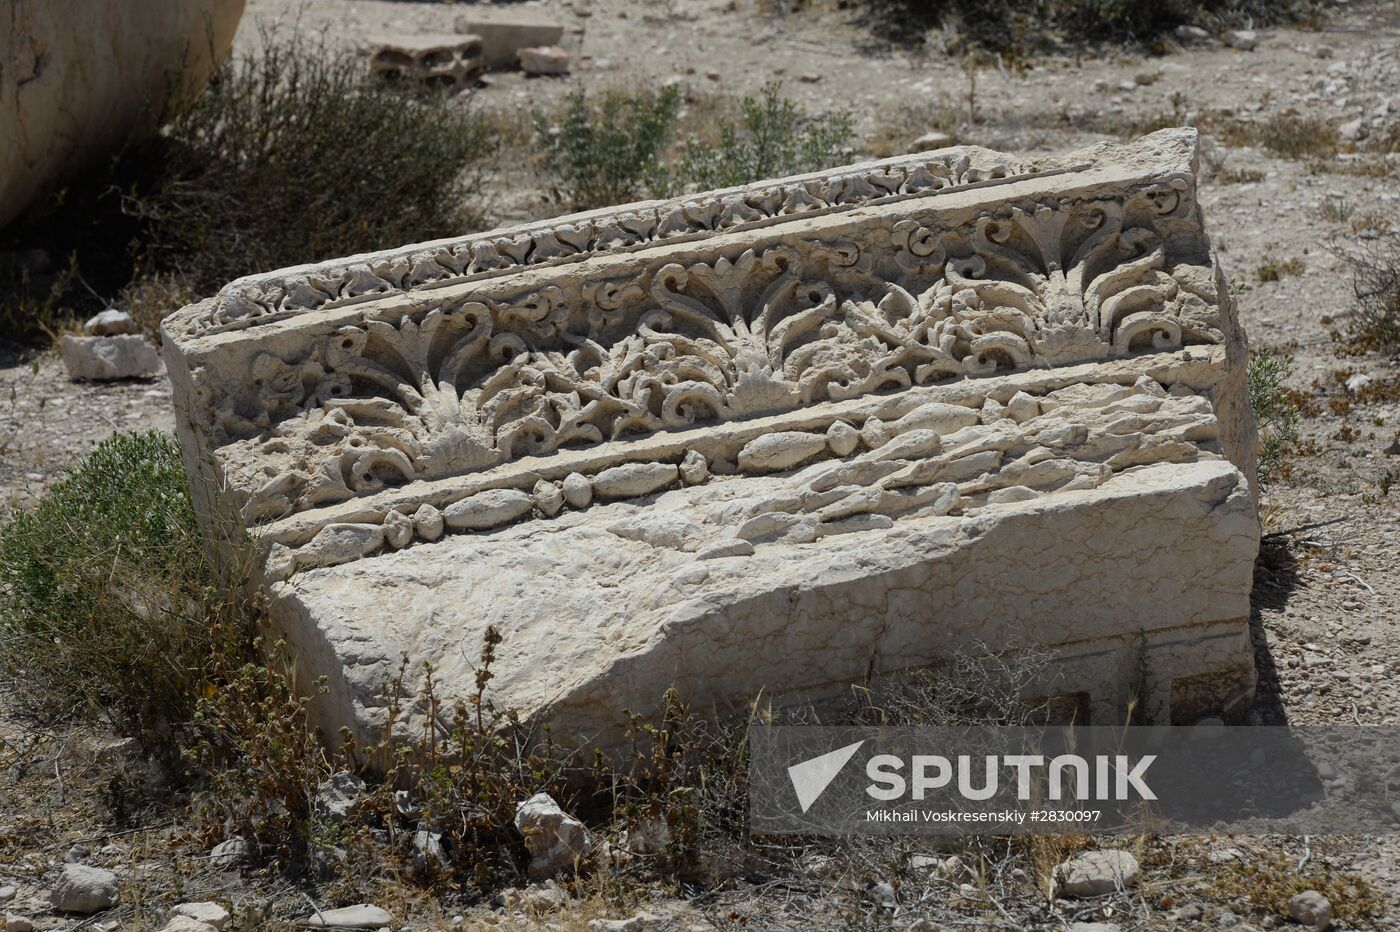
(445, 60)
(775, 438)
(506, 30)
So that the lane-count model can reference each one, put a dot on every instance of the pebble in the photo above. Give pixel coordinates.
(1311, 908)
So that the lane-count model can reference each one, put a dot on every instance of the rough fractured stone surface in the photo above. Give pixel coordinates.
(69, 96)
(864, 418)
(446, 60)
(544, 59)
(555, 839)
(106, 358)
(83, 889)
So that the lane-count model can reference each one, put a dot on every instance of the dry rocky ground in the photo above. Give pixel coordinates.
(1328, 590)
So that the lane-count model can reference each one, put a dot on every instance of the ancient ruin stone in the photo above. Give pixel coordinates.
(1046, 442)
(505, 30)
(445, 60)
(80, 78)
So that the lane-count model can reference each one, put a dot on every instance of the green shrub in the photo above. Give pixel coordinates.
(616, 149)
(110, 605)
(773, 139)
(1275, 414)
(608, 151)
(295, 153)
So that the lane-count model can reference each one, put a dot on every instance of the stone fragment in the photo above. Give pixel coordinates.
(779, 451)
(578, 491)
(555, 839)
(694, 469)
(337, 796)
(438, 60)
(548, 498)
(1311, 908)
(229, 853)
(108, 78)
(488, 509)
(16, 923)
(544, 60)
(83, 889)
(1095, 873)
(361, 916)
(931, 140)
(943, 418)
(842, 439)
(7, 892)
(1192, 34)
(109, 323)
(206, 912)
(504, 31)
(186, 924)
(1242, 39)
(105, 359)
(1022, 407)
(660, 530)
(633, 480)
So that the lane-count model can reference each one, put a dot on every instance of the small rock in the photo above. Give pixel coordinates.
(488, 509)
(83, 889)
(931, 140)
(15, 923)
(578, 491)
(76, 854)
(1192, 34)
(809, 77)
(362, 916)
(398, 530)
(206, 912)
(544, 59)
(555, 839)
(1095, 927)
(780, 450)
(1094, 873)
(337, 796)
(633, 480)
(694, 469)
(548, 499)
(105, 359)
(229, 853)
(186, 924)
(642, 922)
(7, 893)
(1010, 494)
(109, 323)
(1243, 39)
(1311, 909)
(427, 851)
(1352, 130)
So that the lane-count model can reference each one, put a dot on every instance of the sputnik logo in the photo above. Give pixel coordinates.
(811, 777)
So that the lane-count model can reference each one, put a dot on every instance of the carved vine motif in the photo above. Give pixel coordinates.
(253, 302)
(477, 383)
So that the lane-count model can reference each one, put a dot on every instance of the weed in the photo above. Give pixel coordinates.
(1269, 879)
(772, 139)
(1276, 416)
(1286, 135)
(1337, 209)
(1272, 270)
(110, 602)
(1375, 269)
(608, 151)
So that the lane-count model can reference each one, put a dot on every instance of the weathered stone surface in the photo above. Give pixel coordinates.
(942, 400)
(106, 358)
(544, 59)
(207, 912)
(504, 31)
(363, 916)
(109, 323)
(69, 96)
(445, 60)
(1095, 873)
(555, 839)
(83, 889)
